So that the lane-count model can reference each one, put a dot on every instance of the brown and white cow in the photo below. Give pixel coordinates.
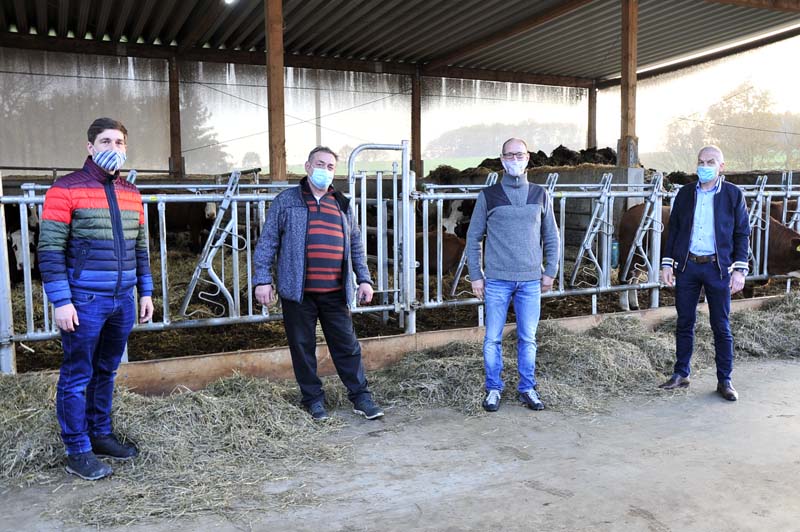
(14, 244)
(783, 253)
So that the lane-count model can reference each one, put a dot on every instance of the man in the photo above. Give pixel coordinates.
(514, 220)
(311, 232)
(92, 252)
(707, 249)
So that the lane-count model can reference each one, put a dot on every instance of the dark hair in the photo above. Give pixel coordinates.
(101, 124)
(323, 149)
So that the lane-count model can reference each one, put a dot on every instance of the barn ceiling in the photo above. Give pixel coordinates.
(570, 42)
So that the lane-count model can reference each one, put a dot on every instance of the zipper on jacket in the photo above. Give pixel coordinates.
(116, 229)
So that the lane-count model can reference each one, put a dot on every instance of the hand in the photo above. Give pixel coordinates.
(478, 288)
(365, 293)
(265, 294)
(67, 317)
(737, 281)
(547, 283)
(666, 276)
(145, 309)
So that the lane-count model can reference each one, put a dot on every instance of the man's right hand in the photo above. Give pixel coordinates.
(667, 277)
(478, 288)
(67, 317)
(265, 294)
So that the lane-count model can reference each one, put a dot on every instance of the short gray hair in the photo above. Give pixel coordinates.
(715, 149)
(323, 149)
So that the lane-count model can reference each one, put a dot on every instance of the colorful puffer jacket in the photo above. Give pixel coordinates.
(93, 237)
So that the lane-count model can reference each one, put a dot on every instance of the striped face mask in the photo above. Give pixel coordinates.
(110, 160)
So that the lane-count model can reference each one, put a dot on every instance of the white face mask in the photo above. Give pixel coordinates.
(514, 167)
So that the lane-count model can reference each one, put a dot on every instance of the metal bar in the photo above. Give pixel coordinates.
(162, 248)
(248, 257)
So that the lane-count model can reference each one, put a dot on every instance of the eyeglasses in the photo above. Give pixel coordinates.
(520, 155)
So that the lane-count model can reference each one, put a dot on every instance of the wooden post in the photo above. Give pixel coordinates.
(591, 129)
(176, 163)
(275, 80)
(416, 123)
(628, 143)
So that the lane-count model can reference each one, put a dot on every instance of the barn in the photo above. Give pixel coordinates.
(221, 440)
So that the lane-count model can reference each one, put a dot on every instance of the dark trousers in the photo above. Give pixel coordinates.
(91, 357)
(300, 322)
(718, 295)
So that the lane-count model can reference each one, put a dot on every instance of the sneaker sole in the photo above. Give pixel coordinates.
(531, 407)
(490, 408)
(98, 477)
(362, 413)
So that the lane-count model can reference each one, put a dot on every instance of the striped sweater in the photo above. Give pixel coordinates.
(324, 244)
(93, 237)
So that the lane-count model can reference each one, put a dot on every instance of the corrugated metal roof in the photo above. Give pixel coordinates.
(583, 43)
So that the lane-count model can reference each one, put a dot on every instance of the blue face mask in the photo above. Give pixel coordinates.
(321, 178)
(706, 173)
(109, 160)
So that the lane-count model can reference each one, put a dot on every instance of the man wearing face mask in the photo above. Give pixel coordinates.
(513, 221)
(707, 249)
(92, 253)
(311, 233)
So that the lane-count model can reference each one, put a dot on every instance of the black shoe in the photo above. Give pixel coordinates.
(491, 403)
(676, 381)
(531, 400)
(367, 408)
(726, 390)
(110, 447)
(317, 411)
(87, 466)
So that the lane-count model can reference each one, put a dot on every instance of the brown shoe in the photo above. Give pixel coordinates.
(676, 381)
(726, 390)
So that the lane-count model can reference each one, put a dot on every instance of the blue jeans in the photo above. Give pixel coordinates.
(91, 357)
(718, 294)
(527, 306)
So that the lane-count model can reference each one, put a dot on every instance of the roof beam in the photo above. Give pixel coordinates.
(154, 31)
(242, 57)
(212, 12)
(102, 20)
(791, 6)
(122, 21)
(513, 31)
(41, 17)
(63, 17)
(22, 17)
(83, 19)
(251, 11)
(727, 52)
(144, 14)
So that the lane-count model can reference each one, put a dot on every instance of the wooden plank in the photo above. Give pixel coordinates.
(591, 129)
(176, 157)
(630, 29)
(789, 6)
(525, 25)
(275, 80)
(416, 124)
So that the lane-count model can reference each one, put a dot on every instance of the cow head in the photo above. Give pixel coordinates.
(16, 247)
(211, 210)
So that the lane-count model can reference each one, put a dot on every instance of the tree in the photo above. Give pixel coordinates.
(744, 126)
(684, 138)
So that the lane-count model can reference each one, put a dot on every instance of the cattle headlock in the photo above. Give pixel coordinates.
(406, 229)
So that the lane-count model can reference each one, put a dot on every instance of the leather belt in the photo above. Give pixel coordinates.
(702, 259)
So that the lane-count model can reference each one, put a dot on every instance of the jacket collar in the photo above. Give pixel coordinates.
(97, 173)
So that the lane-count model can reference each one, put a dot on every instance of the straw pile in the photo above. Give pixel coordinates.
(214, 450)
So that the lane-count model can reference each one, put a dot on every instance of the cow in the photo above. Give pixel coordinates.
(783, 259)
(452, 248)
(14, 241)
(179, 217)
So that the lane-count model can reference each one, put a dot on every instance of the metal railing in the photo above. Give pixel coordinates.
(385, 207)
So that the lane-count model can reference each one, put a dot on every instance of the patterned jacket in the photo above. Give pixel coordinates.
(283, 240)
(93, 237)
